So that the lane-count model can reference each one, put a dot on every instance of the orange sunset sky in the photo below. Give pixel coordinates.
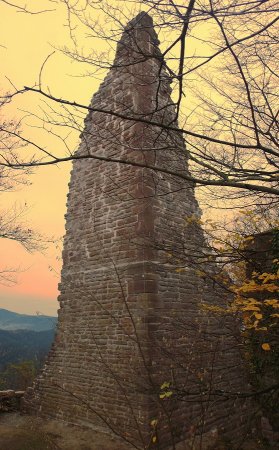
(26, 40)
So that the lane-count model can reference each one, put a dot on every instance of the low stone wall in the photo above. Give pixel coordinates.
(10, 400)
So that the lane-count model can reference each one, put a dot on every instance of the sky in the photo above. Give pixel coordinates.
(26, 40)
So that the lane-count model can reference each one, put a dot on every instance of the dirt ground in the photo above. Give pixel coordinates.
(27, 433)
(19, 432)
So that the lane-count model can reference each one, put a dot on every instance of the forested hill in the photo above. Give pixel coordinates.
(13, 321)
(20, 345)
(24, 338)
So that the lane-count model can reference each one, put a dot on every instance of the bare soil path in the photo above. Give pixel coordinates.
(19, 432)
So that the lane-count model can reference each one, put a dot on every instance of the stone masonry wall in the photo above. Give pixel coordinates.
(130, 317)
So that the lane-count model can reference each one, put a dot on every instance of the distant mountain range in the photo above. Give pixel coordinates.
(24, 337)
(10, 321)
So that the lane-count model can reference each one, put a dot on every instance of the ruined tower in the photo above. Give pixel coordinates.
(135, 353)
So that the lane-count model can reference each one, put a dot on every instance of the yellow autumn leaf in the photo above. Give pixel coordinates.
(168, 394)
(165, 385)
(272, 302)
(258, 316)
(264, 276)
(266, 347)
(251, 308)
(165, 394)
(154, 439)
(154, 422)
(271, 288)
(253, 301)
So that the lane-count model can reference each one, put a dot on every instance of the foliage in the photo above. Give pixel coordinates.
(259, 314)
(165, 391)
(24, 345)
(19, 375)
(256, 303)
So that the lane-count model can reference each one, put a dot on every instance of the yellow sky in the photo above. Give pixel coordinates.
(26, 40)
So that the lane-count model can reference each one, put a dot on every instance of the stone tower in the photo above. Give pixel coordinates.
(135, 353)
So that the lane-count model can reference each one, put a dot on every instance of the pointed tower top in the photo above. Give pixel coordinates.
(139, 37)
(141, 19)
